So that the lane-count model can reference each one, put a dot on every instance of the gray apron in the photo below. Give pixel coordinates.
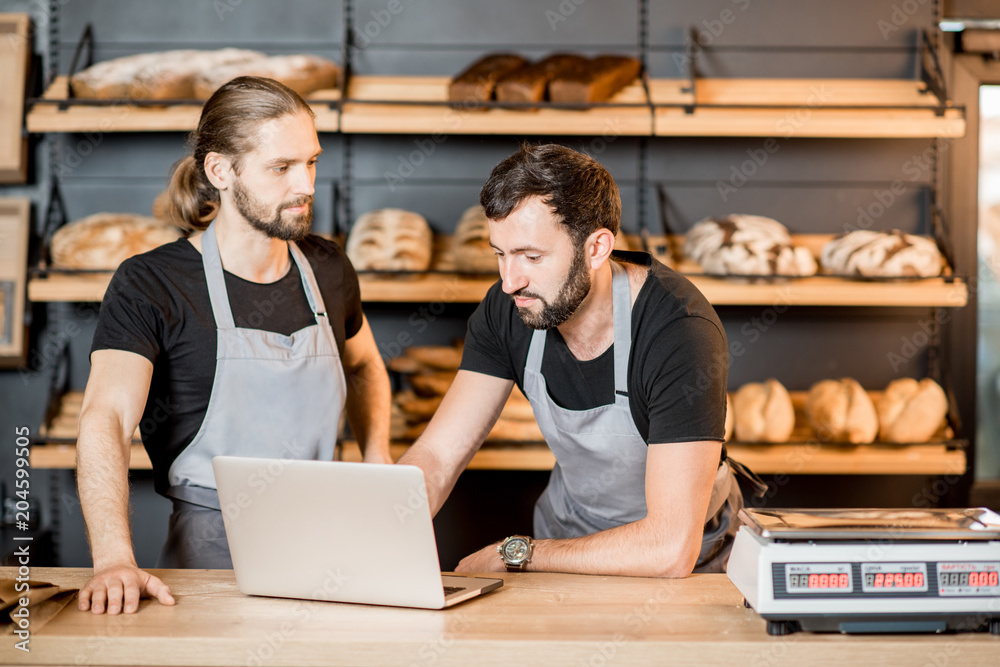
(599, 479)
(274, 396)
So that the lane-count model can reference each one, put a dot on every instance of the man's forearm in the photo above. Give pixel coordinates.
(102, 482)
(439, 477)
(638, 549)
(368, 400)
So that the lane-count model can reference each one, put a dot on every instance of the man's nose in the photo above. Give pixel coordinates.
(304, 182)
(513, 279)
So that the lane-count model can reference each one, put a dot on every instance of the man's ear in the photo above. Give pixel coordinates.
(219, 170)
(599, 246)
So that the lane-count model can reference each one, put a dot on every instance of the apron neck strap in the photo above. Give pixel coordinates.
(211, 259)
(621, 305)
(622, 314)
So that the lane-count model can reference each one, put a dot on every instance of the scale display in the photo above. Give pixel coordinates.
(818, 578)
(893, 577)
(955, 579)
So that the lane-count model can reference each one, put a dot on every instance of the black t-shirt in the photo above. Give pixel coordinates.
(678, 364)
(157, 305)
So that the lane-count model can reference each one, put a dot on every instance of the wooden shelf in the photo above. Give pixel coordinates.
(442, 288)
(839, 108)
(788, 459)
(124, 117)
(390, 105)
(783, 108)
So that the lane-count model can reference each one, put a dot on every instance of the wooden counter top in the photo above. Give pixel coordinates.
(551, 619)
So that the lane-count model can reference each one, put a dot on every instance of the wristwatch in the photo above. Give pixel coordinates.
(516, 552)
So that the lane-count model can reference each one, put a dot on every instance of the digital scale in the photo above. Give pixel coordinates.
(870, 570)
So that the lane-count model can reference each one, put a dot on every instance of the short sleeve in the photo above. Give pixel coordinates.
(353, 312)
(485, 351)
(129, 318)
(684, 382)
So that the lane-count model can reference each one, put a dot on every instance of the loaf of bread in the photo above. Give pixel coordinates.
(471, 243)
(911, 411)
(417, 408)
(440, 357)
(435, 383)
(517, 406)
(882, 254)
(477, 82)
(300, 72)
(154, 76)
(390, 239)
(747, 245)
(841, 411)
(105, 240)
(596, 80)
(530, 83)
(763, 412)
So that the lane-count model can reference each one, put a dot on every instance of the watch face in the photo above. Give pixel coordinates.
(515, 550)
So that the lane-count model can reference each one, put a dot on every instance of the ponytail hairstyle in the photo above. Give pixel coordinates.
(229, 125)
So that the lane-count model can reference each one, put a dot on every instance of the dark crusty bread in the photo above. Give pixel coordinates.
(528, 84)
(475, 84)
(596, 80)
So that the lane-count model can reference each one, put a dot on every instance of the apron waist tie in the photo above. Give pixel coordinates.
(196, 495)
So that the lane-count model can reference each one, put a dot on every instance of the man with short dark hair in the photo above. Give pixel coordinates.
(624, 363)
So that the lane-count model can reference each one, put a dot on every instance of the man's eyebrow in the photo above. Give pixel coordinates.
(290, 160)
(526, 248)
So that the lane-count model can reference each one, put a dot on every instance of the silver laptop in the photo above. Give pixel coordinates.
(343, 532)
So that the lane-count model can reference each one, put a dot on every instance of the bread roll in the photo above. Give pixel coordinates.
(516, 430)
(750, 245)
(517, 407)
(105, 240)
(471, 243)
(415, 407)
(441, 357)
(841, 411)
(882, 254)
(596, 80)
(476, 83)
(301, 72)
(763, 412)
(911, 411)
(432, 384)
(390, 239)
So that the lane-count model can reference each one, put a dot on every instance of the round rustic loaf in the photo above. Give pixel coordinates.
(882, 254)
(302, 73)
(763, 412)
(471, 243)
(390, 239)
(911, 411)
(105, 240)
(432, 384)
(749, 245)
(841, 411)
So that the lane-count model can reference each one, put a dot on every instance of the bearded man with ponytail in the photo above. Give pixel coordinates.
(245, 338)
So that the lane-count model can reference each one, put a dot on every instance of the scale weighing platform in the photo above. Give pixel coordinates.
(869, 570)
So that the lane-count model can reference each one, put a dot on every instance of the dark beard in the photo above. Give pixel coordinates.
(254, 212)
(571, 295)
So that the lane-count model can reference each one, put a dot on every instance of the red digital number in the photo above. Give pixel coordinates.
(974, 579)
(918, 579)
(845, 581)
(908, 580)
(824, 581)
(899, 580)
(879, 580)
(994, 579)
(813, 581)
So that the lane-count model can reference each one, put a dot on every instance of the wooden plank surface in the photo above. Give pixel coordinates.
(126, 117)
(14, 227)
(552, 619)
(439, 120)
(15, 47)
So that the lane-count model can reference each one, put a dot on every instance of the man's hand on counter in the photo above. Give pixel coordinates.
(119, 588)
(485, 560)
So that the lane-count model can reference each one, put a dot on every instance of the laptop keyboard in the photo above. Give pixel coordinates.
(448, 590)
